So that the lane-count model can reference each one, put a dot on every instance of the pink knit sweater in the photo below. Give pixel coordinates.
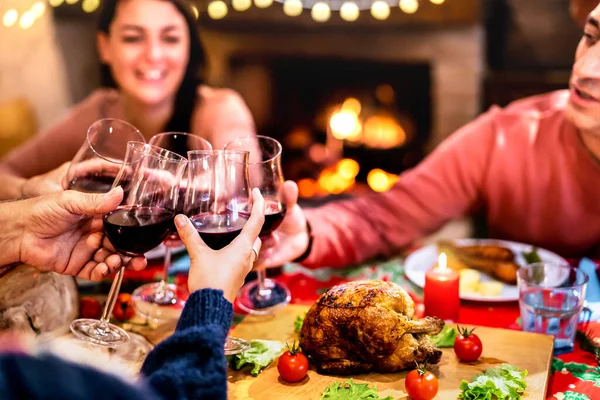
(526, 165)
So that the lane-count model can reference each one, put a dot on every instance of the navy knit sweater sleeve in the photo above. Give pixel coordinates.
(188, 365)
(191, 363)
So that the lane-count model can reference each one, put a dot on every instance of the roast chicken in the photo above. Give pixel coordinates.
(367, 326)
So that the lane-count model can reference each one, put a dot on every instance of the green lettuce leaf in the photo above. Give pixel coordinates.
(260, 355)
(351, 391)
(298, 323)
(445, 338)
(505, 382)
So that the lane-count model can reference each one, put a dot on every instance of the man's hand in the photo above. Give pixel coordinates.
(63, 232)
(291, 238)
(50, 182)
(223, 269)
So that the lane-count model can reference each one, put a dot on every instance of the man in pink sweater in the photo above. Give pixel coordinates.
(534, 167)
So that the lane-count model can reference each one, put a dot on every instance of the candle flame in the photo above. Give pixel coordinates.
(442, 262)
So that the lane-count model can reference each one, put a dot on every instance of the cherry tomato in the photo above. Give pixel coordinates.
(89, 308)
(292, 365)
(123, 310)
(421, 384)
(467, 345)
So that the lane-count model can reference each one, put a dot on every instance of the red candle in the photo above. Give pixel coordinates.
(440, 295)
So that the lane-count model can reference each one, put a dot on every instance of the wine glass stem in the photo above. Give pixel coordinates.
(165, 277)
(261, 276)
(112, 296)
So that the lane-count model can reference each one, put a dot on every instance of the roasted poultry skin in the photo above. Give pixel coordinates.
(364, 326)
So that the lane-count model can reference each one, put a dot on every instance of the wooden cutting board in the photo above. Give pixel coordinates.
(529, 351)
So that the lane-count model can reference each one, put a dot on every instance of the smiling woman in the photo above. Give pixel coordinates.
(152, 64)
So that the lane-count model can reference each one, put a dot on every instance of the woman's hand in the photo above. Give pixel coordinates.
(223, 269)
(290, 239)
(50, 182)
(63, 232)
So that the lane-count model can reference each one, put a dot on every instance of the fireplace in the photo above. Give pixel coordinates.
(325, 110)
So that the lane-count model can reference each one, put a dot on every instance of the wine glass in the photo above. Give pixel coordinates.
(264, 296)
(163, 300)
(96, 164)
(150, 177)
(216, 201)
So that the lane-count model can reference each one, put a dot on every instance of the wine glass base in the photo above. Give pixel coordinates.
(158, 301)
(95, 332)
(235, 345)
(263, 301)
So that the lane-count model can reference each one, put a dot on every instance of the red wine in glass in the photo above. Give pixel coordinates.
(274, 214)
(134, 230)
(218, 229)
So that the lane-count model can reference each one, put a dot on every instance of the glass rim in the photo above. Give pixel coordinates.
(206, 153)
(563, 266)
(173, 133)
(158, 152)
(109, 159)
(268, 138)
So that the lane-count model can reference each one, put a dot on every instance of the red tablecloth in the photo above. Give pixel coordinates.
(575, 375)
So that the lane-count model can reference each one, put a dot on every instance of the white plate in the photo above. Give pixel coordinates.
(418, 262)
(159, 252)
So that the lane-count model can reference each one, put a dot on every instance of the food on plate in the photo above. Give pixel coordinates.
(532, 256)
(505, 382)
(292, 364)
(421, 384)
(497, 261)
(366, 326)
(352, 391)
(259, 355)
(445, 338)
(470, 283)
(123, 309)
(467, 346)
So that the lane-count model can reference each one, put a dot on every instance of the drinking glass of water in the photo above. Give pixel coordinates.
(551, 296)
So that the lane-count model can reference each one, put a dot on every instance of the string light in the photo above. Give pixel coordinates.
(241, 5)
(55, 3)
(409, 6)
(437, 2)
(89, 6)
(217, 9)
(10, 17)
(320, 12)
(195, 11)
(38, 9)
(380, 10)
(71, 1)
(349, 12)
(26, 20)
(263, 3)
(292, 8)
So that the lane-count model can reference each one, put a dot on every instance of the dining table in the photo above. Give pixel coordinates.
(574, 375)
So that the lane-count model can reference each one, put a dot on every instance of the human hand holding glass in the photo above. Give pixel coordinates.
(217, 202)
(264, 296)
(163, 300)
(150, 177)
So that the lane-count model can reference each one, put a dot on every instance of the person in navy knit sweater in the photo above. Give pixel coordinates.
(188, 365)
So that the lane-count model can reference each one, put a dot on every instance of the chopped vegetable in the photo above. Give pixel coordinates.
(445, 338)
(351, 391)
(532, 256)
(505, 382)
(260, 355)
(298, 323)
